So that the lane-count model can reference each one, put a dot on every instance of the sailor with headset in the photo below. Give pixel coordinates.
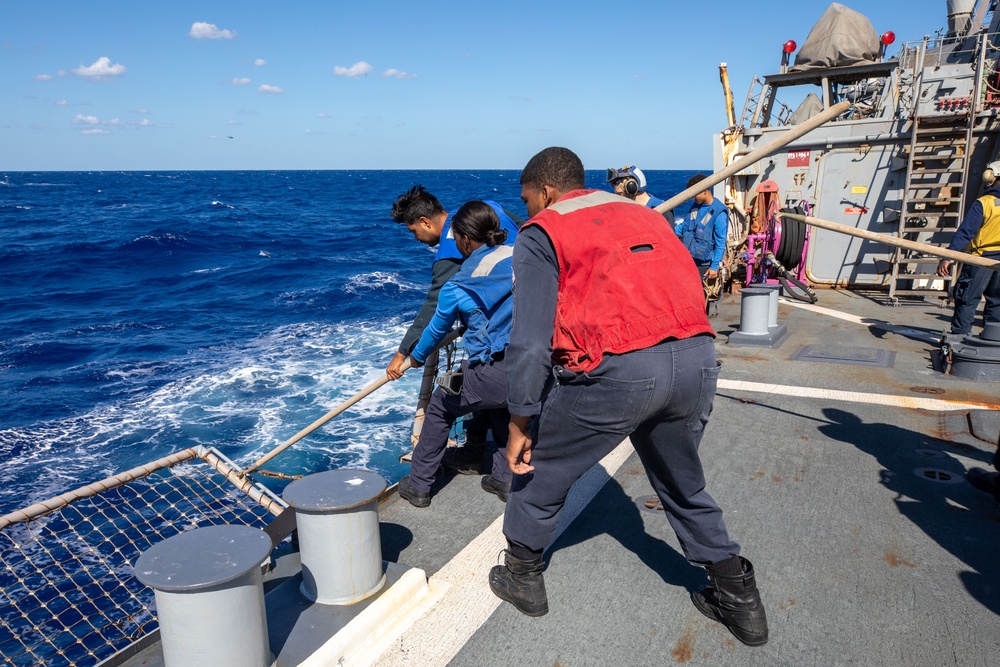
(630, 182)
(979, 234)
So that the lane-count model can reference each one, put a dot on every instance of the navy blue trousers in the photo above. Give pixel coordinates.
(661, 397)
(484, 387)
(973, 283)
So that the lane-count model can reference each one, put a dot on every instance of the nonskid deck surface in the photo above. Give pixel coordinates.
(870, 547)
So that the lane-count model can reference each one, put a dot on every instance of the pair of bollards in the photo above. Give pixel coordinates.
(759, 317)
(208, 582)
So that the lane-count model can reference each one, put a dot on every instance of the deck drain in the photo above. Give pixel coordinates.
(938, 475)
(650, 504)
(933, 453)
(927, 390)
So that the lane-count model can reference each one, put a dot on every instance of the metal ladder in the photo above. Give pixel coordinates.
(937, 169)
(755, 97)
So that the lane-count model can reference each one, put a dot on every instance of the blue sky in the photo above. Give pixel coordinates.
(387, 85)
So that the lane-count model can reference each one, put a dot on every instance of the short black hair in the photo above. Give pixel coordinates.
(555, 166)
(414, 204)
(697, 178)
(477, 220)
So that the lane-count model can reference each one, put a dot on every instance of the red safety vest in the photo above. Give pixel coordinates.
(625, 280)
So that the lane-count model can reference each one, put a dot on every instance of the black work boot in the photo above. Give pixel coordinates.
(465, 460)
(520, 583)
(416, 498)
(733, 600)
(492, 485)
(985, 481)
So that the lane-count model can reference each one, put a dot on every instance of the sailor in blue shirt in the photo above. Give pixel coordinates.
(479, 295)
(703, 232)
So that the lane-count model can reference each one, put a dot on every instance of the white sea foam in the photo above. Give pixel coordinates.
(368, 282)
(245, 401)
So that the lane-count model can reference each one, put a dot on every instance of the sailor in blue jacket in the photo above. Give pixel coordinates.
(479, 295)
(428, 221)
(703, 232)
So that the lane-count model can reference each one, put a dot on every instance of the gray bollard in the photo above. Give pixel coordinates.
(772, 307)
(210, 596)
(754, 311)
(339, 542)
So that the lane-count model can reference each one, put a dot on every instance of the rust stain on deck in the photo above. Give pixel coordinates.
(685, 646)
(895, 560)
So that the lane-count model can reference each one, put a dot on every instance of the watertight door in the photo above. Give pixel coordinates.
(855, 187)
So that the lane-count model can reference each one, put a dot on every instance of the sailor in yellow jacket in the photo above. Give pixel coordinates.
(978, 234)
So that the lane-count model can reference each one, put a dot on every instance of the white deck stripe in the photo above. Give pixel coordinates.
(913, 402)
(467, 602)
(864, 321)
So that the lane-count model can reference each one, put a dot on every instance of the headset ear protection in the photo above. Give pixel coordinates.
(992, 173)
(635, 180)
(631, 186)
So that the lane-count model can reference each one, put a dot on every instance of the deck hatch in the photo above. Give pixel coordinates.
(939, 476)
(842, 354)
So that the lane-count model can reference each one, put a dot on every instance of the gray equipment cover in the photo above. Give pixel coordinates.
(842, 36)
(810, 106)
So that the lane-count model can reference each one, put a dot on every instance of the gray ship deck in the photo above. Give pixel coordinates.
(861, 558)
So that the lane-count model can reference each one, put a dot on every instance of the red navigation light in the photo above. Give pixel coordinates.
(888, 37)
(789, 46)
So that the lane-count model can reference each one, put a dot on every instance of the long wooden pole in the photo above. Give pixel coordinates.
(916, 246)
(337, 410)
(755, 156)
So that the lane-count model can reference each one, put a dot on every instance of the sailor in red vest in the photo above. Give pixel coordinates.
(610, 340)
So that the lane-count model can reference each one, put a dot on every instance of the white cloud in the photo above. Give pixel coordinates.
(42, 77)
(115, 122)
(80, 119)
(202, 30)
(233, 122)
(141, 111)
(101, 70)
(96, 130)
(308, 131)
(359, 68)
(241, 81)
(267, 88)
(145, 122)
(260, 62)
(398, 74)
(323, 115)
(62, 103)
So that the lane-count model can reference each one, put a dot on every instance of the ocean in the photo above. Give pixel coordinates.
(146, 312)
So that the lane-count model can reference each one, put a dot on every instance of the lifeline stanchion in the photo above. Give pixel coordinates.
(210, 596)
(337, 516)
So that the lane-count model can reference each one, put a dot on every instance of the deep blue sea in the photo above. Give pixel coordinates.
(146, 312)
